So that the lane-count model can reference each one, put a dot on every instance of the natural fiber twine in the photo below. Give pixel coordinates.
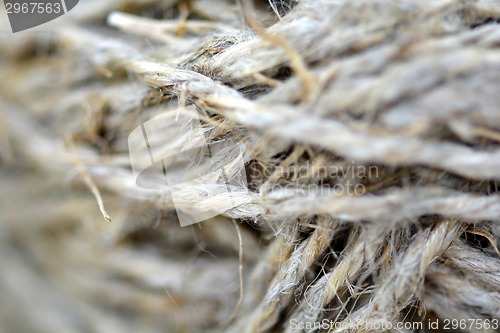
(406, 89)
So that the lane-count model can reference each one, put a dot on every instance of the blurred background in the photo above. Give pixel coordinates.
(63, 267)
